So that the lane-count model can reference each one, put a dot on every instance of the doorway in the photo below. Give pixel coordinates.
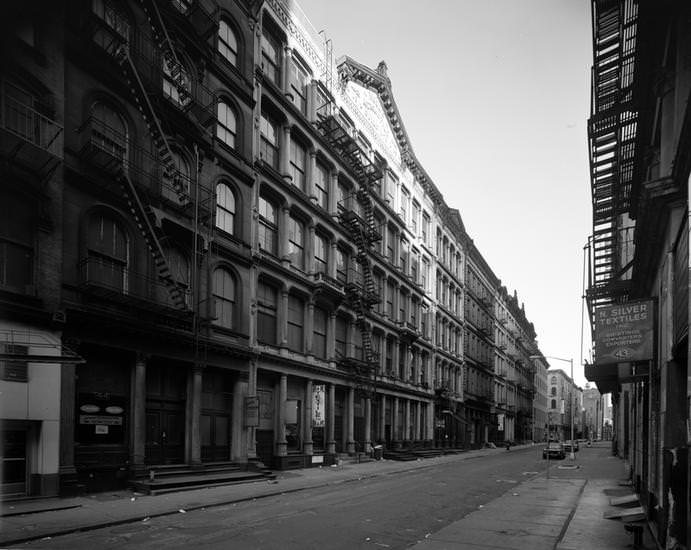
(13, 463)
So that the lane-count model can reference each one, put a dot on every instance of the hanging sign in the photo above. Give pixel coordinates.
(624, 333)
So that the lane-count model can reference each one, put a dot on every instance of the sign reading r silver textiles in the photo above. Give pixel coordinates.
(624, 333)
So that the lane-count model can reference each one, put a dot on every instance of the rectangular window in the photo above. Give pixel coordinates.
(298, 164)
(320, 255)
(299, 78)
(268, 147)
(296, 242)
(405, 203)
(319, 336)
(403, 264)
(425, 227)
(267, 305)
(271, 61)
(14, 370)
(296, 317)
(391, 189)
(267, 228)
(341, 337)
(389, 299)
(321, 186)
(414, 217)
(341, 266)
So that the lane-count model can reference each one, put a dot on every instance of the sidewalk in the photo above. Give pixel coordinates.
(538, 513)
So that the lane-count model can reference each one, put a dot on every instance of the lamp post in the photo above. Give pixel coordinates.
(572, 454)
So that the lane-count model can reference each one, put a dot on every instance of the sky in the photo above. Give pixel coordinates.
(495, 96)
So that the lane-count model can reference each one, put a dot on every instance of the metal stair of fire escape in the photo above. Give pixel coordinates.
(140, 212)
(364, 234)
(612, 130)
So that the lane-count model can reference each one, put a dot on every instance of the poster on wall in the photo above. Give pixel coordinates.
(624, 333)
(318, 410)
(100, 418)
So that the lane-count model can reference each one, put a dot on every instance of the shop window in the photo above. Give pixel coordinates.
(225, 208)
(227, 42)
(224, 289)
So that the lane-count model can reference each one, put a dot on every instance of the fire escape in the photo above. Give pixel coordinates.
(356, 215)
(139, 69)
(612, 134)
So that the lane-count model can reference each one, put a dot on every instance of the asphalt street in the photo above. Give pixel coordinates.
(390, 511)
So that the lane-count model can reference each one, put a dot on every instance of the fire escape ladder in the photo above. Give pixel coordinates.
(612, 136)
(140, 215)
(162, 38)
(171, 175)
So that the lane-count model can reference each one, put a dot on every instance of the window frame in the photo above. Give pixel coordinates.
(224, 47)
(225, 321)
(227, 134)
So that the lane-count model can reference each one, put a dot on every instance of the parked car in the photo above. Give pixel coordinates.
(554, 449)
(568, 444)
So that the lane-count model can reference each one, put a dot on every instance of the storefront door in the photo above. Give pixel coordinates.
(13, 463)
(165, 433)
(215, 432)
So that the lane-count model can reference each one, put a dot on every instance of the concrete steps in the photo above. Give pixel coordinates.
(173, 478)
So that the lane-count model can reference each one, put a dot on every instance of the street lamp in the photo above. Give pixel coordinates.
(572, 454)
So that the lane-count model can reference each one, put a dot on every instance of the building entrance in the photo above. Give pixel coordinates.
(166, 386)
(13, 465)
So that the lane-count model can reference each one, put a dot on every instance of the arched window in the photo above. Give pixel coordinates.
(224, 297)
(268, 226)
(177, 85)
(108, 131)
(171, 189)
(17, 230)
(227, 43)
(554, 391)
(107, 253)
(554, 379)
(226, 126)
(180, 269)
(225, 208)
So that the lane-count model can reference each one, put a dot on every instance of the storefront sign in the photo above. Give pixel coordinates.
(251, 411)
(318, 410)
(97, 419)
(624, 333)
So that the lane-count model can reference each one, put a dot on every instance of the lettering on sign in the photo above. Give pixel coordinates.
(624, 333)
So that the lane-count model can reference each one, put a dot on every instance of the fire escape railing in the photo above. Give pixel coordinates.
(357, 218)
(612, 130)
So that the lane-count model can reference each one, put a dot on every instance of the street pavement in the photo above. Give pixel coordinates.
(563, 510)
